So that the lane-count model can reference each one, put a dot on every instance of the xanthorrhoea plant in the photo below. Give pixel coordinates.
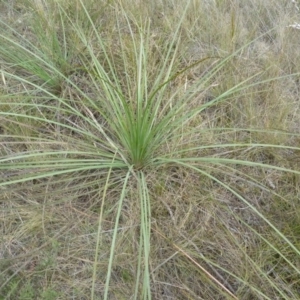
(46, 51)
(124, 122)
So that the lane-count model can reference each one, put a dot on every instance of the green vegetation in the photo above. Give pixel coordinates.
(149, 150)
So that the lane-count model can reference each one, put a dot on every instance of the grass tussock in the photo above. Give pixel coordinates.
(149, 151)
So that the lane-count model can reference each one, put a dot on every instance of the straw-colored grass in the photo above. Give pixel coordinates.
(149, 150)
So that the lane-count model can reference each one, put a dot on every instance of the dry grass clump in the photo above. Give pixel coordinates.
(149, 151)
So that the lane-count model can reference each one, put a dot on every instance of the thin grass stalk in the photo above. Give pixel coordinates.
(145, 231)
(99, 233)
(115, 232)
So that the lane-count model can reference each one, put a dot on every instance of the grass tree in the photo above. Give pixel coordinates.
(126, 169)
